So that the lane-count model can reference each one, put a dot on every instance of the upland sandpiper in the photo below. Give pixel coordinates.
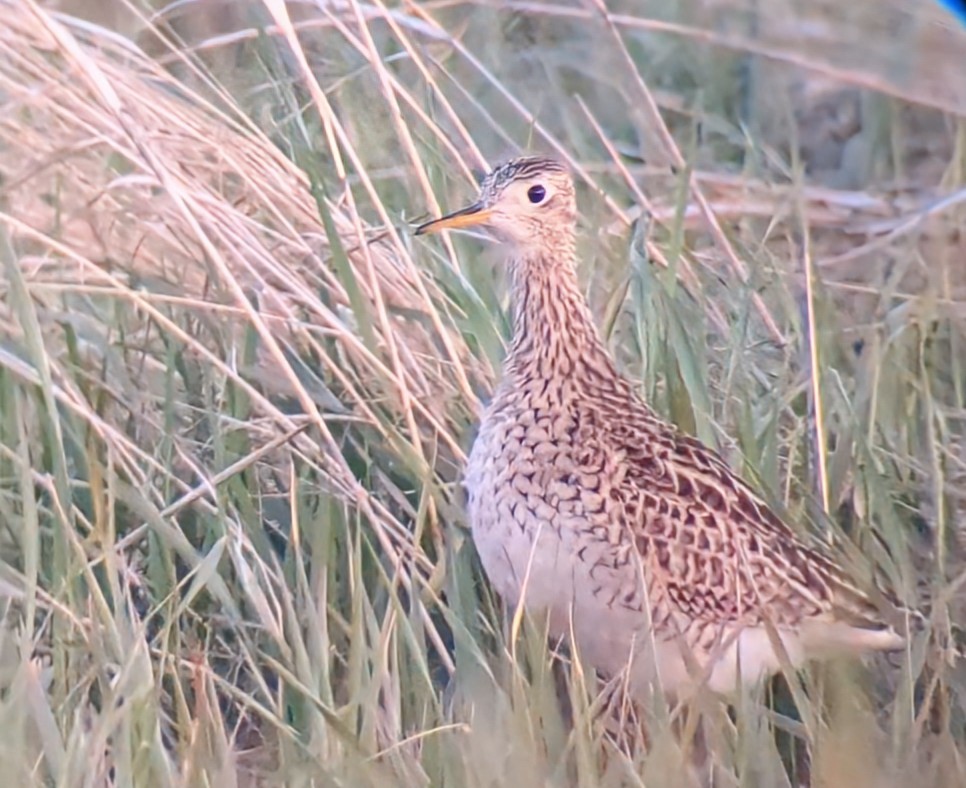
(633, 536)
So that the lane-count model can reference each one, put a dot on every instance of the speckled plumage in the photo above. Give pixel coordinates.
(634, 537)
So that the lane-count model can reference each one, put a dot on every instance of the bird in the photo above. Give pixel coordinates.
(637, 540)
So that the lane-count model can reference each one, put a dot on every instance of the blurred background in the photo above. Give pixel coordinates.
(236, 393)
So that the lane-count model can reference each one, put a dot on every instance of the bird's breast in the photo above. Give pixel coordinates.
(543, 520)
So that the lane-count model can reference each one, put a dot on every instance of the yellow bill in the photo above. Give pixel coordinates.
(470, 216)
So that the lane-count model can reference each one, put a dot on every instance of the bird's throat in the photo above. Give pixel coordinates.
(554, 335)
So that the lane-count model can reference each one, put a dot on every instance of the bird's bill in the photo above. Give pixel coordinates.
(470, 216)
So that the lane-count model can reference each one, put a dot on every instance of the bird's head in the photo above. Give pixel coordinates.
(527, 202)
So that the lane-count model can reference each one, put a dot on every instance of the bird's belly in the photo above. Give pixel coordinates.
(538, 550)
(542, 569)
(527, 557)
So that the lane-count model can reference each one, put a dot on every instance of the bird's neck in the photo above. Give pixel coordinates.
(554, 335)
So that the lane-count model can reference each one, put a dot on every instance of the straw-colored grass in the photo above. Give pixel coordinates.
(235, 393)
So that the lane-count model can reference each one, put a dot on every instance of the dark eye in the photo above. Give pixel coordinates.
(536, 194)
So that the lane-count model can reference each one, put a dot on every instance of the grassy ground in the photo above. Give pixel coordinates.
(235, 393)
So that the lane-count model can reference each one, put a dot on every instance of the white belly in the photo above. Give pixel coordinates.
(535, 554)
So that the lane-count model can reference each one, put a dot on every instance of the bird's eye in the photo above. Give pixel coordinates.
(536, 194)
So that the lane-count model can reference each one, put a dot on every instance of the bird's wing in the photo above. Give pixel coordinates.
(719, 550)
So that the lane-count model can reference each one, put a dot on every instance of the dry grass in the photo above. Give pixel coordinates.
(236, 393)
